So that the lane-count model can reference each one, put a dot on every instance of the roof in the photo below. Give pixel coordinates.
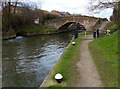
(55, 12)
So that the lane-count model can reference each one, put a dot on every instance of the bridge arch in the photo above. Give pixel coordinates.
(72, 25)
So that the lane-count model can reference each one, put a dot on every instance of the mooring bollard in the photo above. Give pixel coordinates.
(73, 43)
(85, 33)
(58, 78)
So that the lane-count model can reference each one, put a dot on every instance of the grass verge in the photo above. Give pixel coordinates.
(67, 66)
(105, 54)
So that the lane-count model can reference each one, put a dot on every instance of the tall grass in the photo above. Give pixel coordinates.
(105, 54)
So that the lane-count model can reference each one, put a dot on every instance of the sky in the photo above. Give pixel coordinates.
(72, 6)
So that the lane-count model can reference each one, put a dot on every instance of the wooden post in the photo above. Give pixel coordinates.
(9, 14)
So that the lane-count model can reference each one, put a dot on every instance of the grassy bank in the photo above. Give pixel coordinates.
(37, 29)
(115, 26)
(67, 67)
(105, 54)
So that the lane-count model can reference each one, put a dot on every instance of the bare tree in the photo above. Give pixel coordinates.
(24, 17)
(116, 14)
(98, 5)
(15, 6)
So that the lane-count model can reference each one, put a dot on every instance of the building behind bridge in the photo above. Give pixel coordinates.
(60, 13)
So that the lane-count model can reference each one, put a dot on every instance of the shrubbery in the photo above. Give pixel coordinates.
(24, 18)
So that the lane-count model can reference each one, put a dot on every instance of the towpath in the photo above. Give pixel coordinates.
(89, 76)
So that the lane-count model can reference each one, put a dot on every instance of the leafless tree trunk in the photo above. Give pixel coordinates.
(15, 6)
(9, 15)
(116, 14)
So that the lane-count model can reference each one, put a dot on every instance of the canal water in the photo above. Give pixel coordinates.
(26, 61)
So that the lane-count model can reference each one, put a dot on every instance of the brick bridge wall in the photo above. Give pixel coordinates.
(88, 22)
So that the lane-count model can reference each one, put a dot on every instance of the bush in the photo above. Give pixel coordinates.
(24, 18)
(52, 16)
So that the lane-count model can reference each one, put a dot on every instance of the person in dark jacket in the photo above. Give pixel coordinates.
(94, 33)
(97, 33)
(75, 33)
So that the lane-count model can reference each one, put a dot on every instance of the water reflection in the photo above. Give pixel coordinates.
(27, 60)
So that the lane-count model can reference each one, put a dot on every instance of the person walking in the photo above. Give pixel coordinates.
(108, 32)
(94, 33)
(75, 33)
(75, 30)
(97, 33)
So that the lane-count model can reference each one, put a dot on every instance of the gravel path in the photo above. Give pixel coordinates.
(89, 76)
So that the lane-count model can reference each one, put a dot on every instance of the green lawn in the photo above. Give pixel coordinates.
(37, 29)
(67, 65)
(105, 54)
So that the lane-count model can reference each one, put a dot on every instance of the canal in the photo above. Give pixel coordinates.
(26, 61)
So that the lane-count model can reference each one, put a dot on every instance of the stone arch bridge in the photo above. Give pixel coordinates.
(63, 23)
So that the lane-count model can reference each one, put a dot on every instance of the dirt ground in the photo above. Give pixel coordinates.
(89, 76)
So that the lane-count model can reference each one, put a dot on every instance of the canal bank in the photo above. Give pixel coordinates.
(32, 32)
(43, 32)
(65, 66)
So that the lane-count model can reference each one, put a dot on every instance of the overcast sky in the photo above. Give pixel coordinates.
(71, 6)
(74, 7)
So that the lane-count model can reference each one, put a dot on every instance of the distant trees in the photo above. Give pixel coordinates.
(22, 18)
(19, 15)
(9, 16)
(6, 12)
